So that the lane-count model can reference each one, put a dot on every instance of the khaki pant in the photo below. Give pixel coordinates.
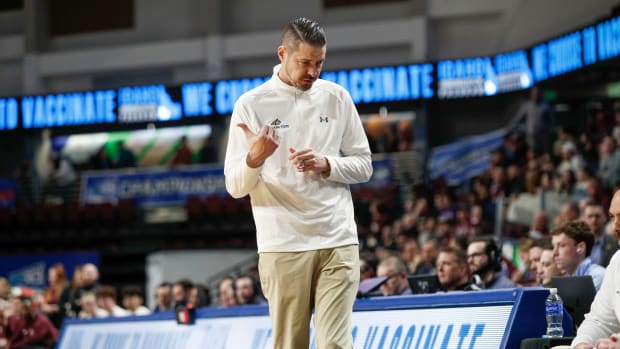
(294, 283)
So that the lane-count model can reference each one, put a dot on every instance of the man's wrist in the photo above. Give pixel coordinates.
(252, 162)
(327, 171)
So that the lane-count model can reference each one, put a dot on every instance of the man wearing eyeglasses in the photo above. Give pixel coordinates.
(484, 259)
(396, 272)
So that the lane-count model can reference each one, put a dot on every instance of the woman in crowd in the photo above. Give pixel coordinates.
(57, 278)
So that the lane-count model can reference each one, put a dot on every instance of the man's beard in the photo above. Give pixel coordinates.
(293, 81)
(483, 269)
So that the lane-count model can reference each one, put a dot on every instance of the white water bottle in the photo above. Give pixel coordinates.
(554, 309)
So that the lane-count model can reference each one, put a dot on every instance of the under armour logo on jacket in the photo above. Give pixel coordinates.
(323, 119)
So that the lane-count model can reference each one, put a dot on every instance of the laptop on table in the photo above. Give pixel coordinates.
(423, 283)
(577, 293)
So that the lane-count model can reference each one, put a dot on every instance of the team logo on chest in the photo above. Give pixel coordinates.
(277, 124)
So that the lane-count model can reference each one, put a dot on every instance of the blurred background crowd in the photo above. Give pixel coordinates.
(462, 234)
(475, 185)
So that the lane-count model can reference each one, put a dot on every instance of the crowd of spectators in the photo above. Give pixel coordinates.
(474, 243)
(31, 319)
(84, 297)
(453, 232)
(460, 234)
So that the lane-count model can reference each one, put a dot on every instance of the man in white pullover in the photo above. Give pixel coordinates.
(601, 327)
(295, 144)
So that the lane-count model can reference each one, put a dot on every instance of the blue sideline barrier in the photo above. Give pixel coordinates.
(485, 319)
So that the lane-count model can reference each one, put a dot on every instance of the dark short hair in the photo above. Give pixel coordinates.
(544, 243)
(578, 231)
(132, 290)
(303, 30)
(591, 203)
(249, 277)
(106, 291)
(186, 284)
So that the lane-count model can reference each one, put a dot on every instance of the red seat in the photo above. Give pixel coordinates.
(107, 214)
(72, 214)
(214, 206)
(193, 207)
(89, 215)
(231, 206)
(126, 211)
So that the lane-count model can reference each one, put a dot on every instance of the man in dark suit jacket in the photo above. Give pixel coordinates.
(604, 245)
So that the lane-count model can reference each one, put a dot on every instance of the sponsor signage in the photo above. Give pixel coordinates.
(409, 328)
(431, 321)
(152, 186)
(452, 78)
(162, 186)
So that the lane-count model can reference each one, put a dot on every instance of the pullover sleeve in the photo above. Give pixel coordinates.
(602, 321)
(240, 178)
(354, 165)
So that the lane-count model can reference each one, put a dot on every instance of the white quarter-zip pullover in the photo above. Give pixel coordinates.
(299, 211)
